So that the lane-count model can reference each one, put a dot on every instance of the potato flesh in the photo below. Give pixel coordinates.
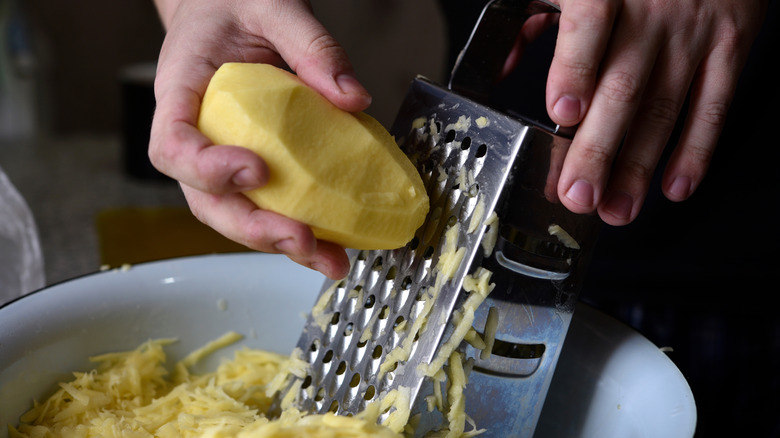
(340, 173)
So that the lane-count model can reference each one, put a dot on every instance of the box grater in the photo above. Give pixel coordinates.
(474, 160)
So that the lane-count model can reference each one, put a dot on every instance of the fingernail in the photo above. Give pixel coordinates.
(680, 188)
(246, 179)
(321, 268)
(348, 84)
(567, 109)
(581, 193)
(287, 246)
(620, 205)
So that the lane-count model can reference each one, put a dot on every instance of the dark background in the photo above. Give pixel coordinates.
(699, 276)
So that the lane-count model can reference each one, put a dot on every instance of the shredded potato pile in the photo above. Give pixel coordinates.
(130, 394)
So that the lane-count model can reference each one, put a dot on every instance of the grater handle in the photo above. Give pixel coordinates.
(480, 63)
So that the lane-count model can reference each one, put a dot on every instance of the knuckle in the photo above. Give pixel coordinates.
(256, 236)
(637, 171)
(576, 67)
(712, 114)
(698, 153)
(595, 155)
(323, 43)
(198, 210)
(161, 155)
(662, 111)
(621, 86)
(587, 13)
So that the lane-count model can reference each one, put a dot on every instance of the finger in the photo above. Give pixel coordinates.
(712, 91)
(180, 151)
(646, 139)
(237, 218)
(316, 57)
(583, 33)
(329, 259)
(590, 158)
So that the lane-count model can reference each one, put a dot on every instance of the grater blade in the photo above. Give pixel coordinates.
(378, 329)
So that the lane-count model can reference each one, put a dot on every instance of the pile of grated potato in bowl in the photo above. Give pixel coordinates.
(131, 394)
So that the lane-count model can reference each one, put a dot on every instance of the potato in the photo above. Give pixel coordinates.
(341, 173)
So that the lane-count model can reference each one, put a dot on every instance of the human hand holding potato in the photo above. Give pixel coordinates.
(202, 35)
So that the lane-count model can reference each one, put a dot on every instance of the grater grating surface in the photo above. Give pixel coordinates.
(377, 330)
(348, 342)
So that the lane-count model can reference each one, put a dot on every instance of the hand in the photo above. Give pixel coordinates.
(622, 70)
(201, 36)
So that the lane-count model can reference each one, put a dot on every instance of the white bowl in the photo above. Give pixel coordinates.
(610, 381)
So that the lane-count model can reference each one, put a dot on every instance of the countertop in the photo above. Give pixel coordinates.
(67, 182)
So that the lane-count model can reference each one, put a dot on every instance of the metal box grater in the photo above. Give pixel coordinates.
(474, 160)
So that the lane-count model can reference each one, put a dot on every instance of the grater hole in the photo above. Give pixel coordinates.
(320, 395)
(428, 253)
(400, 325)
(334, 320)
(429, 165)
(362, 255)
(377, 266)
(348, 329)
(361, 343)
(306, 382)
(481, 151)
(334, 407)
(391, 273)
(452, 221)
(450, 137)
(385, 312)
(328, 356)
(465, 144)
(370, 301)
(377, 353)
(406, 283)
(370, 393)
(513, 350)
(355, 381)
(342, 368)
(414, 242)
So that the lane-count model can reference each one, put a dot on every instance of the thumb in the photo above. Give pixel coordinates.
(318, 59)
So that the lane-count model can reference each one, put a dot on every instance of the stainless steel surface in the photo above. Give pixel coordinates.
(482, 60)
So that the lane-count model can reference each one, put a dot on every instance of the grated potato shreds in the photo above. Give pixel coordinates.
(129, 394)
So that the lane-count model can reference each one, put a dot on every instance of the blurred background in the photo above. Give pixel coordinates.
(699, 277)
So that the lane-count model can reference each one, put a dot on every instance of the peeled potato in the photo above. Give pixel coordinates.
(341, 173)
